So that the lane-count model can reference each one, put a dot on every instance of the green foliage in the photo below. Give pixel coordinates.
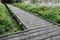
(6, 24)
(51, 13)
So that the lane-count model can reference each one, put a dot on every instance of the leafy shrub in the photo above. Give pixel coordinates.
(51, 13)
(6, 25)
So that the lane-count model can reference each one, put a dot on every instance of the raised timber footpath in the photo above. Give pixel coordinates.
(36, 27)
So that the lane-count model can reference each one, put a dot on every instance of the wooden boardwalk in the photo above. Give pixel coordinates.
(36, 27)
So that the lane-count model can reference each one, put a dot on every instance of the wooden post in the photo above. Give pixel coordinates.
(20, 1)
(33, 1)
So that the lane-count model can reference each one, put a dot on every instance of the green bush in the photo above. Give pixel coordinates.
(6, 24)
(51, 13)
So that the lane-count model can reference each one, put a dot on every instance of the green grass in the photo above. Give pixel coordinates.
(48, 12)
(7, 23)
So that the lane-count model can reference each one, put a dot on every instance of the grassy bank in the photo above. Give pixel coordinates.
(7, 23)
(48, 12)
